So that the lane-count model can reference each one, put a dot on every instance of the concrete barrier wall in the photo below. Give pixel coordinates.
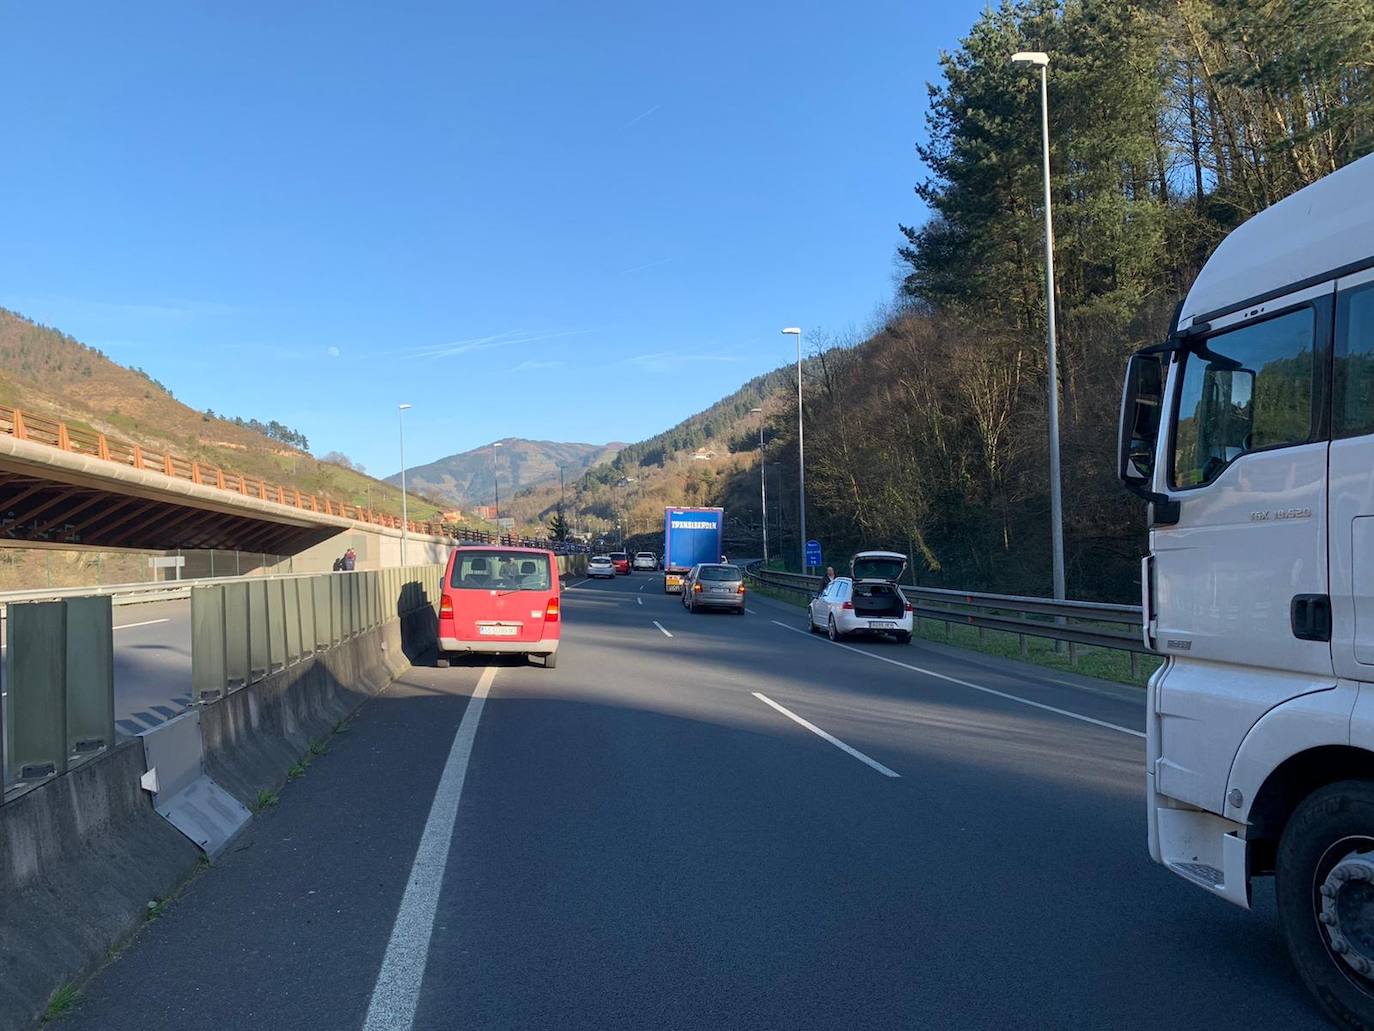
(82, 855)
(80, 859)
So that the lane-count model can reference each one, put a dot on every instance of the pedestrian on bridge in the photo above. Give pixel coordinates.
(350, 560)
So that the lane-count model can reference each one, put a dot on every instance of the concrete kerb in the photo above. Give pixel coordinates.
(83, 855)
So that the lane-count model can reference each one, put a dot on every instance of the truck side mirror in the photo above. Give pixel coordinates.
(1142, 402)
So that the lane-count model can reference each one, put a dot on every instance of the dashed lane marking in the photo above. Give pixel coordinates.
(847, 749)
(663, 628)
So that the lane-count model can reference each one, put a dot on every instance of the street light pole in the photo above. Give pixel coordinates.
(1042, 60)
(496, 486)
(763, 487)
(405, 512)
(801, 447)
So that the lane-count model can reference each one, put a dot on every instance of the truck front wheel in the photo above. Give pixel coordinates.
(1324, 881)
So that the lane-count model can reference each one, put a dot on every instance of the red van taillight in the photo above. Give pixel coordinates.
(445, 607)
(696, 588)
(551, 611)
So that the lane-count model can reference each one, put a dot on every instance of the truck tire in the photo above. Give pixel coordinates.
(1324, 882)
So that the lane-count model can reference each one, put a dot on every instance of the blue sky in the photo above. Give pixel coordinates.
(313, 211)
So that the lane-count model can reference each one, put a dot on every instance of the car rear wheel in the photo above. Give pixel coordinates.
(442, 661)
(904, 637)
(832, 631)
(551, 660)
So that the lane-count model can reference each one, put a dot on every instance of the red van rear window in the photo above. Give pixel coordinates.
(500, 570)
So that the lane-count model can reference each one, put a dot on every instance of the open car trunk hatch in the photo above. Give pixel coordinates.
(877, 566)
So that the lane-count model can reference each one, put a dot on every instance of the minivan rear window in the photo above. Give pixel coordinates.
(720, 573)
(500, 570)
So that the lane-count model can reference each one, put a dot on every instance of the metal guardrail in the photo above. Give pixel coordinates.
(1074, 622)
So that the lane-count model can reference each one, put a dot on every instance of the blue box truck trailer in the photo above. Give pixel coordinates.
(690, 535)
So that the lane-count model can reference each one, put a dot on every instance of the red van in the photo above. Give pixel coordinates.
(499, 600)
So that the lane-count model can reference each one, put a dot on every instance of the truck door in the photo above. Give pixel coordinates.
(1245, 458)
(1351, 488)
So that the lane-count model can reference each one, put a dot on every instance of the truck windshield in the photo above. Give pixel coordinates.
(501, 570)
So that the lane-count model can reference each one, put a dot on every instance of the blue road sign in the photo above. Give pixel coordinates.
(813, 553)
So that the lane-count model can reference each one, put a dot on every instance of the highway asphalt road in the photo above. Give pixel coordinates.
(650, 837)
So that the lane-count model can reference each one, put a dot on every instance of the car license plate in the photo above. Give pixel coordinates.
(497, 631)
(720, 590)
(881, 624)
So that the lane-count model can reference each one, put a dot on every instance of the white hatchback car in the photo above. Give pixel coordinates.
(600, 565)
(646, 560)
(866, 601)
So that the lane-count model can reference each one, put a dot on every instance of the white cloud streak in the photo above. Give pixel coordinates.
(640, 117)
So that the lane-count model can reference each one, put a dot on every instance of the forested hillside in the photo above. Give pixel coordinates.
(1171, 123)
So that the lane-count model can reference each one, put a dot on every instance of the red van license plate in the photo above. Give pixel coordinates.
(498, 631)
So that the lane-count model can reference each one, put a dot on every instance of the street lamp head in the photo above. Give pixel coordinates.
(495, 443)
(1036, 57)
(403, 407)
(792, 331)
(756, 411)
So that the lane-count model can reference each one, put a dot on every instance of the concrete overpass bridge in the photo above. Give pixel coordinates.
(68, 487)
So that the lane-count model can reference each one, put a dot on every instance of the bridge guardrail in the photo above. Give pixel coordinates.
(1074, 622)
(55, 433)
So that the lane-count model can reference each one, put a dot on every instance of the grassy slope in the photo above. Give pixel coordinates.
(49, 373)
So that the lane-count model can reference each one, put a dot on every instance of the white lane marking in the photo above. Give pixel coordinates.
(639, 601)
(642, 586)
(748, 610)
(397, 991)
(828, 737)
(146, 622)
(663, 628)
(578, 584)
(965, 683)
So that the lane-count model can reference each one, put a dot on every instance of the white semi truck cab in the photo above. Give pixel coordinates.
(1250, 433)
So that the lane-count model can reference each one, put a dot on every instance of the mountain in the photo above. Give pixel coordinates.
(706, 459)
(466, 478)
(47, 373)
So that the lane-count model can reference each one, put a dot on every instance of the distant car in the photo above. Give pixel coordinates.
(866, 601)
(646, 560)
(621, 561)
(500, 600)
(714, 585)
(601, 565)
